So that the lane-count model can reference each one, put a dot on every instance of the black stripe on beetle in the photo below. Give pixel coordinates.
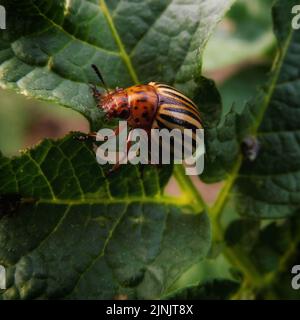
(180, 100)
(183, 111)
(184, 124)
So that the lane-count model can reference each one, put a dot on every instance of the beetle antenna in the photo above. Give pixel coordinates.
(98, 73)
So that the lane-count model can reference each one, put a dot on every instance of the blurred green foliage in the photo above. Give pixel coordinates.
(13, 121)
(245, 34)
(242, 86)
(19, 117)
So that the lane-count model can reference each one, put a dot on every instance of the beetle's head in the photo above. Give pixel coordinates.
(115, 104)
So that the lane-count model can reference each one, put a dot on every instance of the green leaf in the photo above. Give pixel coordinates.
(209, 279)
(68, 232)
(48, 47)
(242, 232)
(265, 186)
(243, 86)
(272, 250)
(223, 136)
(269, 184)
(217, 289)
(222, 145)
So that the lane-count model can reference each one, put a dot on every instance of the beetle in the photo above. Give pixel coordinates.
(147, 106)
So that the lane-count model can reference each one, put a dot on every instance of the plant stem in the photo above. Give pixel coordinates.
(223, 197)
(188, 188)
(234, 255)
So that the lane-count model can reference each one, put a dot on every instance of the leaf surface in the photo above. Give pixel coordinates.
(66, 231)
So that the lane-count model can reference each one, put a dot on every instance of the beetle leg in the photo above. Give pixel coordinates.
(85, 136)
(117, 165)
(116, 133)
(96, 93)
(93, 135)
(156, 165)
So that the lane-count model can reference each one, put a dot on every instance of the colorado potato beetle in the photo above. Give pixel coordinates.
(147, 106)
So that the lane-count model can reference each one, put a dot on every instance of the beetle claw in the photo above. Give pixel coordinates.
(95, 92)
(81, 137)
(109, 173)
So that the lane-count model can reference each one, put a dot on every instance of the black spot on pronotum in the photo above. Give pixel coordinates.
(124, 114)
(144, 99)
(250, 148)
(137, 120)
(145, 115)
